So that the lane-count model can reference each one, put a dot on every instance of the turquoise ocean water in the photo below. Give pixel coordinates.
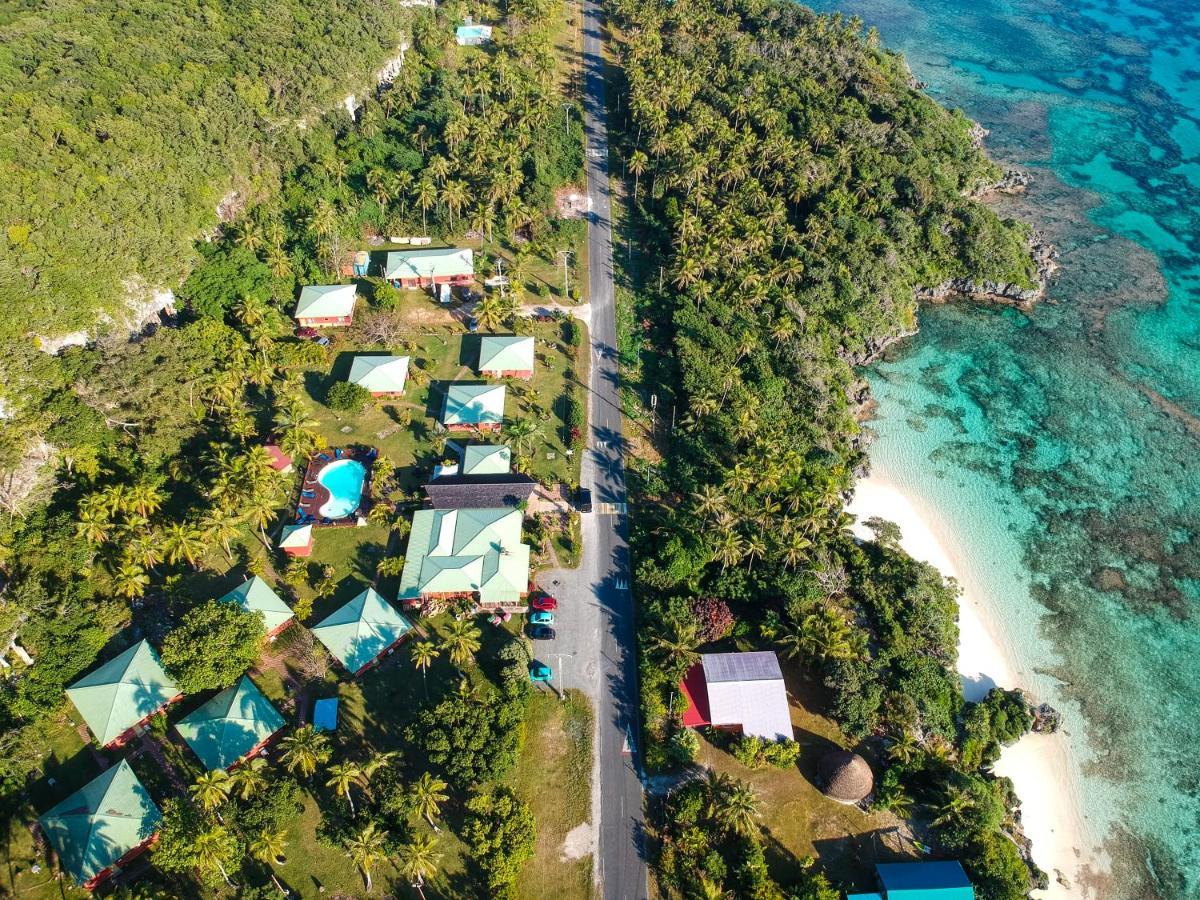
(1063, 445)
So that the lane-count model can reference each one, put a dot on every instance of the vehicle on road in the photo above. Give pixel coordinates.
(544, 601)
(541, 633)
(541, 617)
(540, 672)
(583, 500)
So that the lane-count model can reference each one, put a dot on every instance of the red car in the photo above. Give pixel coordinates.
(544, 602)
(307, 333)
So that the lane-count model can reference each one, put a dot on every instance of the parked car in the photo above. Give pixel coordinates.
(583, 500)
(307, 333)
(323, 341)
(543, 601)
(540, 672)
(541, 617)
(541, 633)
(444, 295)
(472, 324)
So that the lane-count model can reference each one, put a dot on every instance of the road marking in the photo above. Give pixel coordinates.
(622, 584)
(596, 152)
(610, 509)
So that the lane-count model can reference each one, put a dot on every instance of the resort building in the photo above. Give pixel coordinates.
(740, 692)
(256, 596)
(382, 374)
(117, 698)
(280, 461)
(427, 268)
(462, 552)
(102, 826)
(474, 407)
(933, 880)
(297, 540)
(506, 356)
(362, 631)
(845, 777)
(472, 35)
(483, 479)
(233, 725)
(326, 305)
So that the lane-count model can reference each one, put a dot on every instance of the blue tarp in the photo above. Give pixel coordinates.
(325, 714)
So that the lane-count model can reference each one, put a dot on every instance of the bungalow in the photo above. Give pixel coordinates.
(326, 305)
(471, 407)
(426, 268)
(926, 880)
(280, 461)
(382, 374)
(235, 724)
(738, 691)
(255, 595)
(121, 695)
(457, 552)
(362, 631)
(506, 356)
(482, 480)
(297, 540)
(102, 826)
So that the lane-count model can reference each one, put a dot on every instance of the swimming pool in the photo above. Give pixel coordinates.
(344, 480)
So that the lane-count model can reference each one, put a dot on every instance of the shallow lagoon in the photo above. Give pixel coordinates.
(1064, 444)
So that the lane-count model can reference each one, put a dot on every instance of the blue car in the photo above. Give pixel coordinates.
(541, 617)
(540, 672)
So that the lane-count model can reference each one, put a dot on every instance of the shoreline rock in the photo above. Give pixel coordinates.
(1045, 256)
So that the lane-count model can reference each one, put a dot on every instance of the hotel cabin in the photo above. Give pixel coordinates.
(120, 696)
(361, 633)
(326, 305)
(383, 374)
(506, 356)
(474, 407)
(429, 268)
(256, 596)
(925, 880)
(102, 827)
(236, 724)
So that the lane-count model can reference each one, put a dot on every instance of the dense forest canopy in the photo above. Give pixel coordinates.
(799, 189)
(122, 125)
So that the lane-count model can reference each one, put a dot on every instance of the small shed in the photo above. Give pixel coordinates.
(236, 723)
(326, 305)
(255, 595)
(325, 714)
(383, 374)
(280, 461)
(123, 693)
(845, 777)
(297, 540)
(102, 826)
(506, 356)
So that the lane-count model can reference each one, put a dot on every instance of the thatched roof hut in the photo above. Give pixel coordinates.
(845, 776)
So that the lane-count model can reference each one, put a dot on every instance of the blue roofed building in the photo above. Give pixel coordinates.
(932, 880)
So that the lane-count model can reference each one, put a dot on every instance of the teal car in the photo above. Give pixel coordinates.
(540, 672)
(541, 617)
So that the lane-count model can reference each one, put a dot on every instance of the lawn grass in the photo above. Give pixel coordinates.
(801, 822)
(553, 775)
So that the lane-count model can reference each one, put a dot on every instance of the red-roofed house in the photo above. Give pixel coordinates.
(280, 461)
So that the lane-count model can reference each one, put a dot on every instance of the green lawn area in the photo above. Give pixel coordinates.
(553, 775)
(799, 820)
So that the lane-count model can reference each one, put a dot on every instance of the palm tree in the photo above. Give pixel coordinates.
(130, 580)
(146, 498)
(304, 750)
(709, 499)
(738, 809)
(489, 313)
(250, 778)
(423, 655)
(638, 161)
(461, 642)
(390, 567)
(367, 849)
(220, 525)
(213, 848)
(677, 645)
(954, 808)
(454, 195)
(211, 790)
(345, 776)
(93, 527)
(419, 860)
(268, 848)
(182, 541)
(730, 550)
(426, 196)
(904, 748)
(522, 433)
(429, 793)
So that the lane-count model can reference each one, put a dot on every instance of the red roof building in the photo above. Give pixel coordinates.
(738, 691)
(280, 461)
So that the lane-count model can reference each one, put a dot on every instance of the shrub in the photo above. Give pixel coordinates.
(347, 397)
(757, 753)
(212, 646)
(499, 829)
(713, 617)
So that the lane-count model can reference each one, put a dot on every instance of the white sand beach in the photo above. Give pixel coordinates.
(1038, 765)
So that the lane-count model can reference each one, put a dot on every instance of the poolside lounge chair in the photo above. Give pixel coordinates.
(337, 454)
(308, 493)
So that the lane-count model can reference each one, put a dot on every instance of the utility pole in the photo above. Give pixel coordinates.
(500, 269)
(562, 691)
(566, 255)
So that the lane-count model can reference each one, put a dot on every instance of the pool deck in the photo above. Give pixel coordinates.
(308, 509)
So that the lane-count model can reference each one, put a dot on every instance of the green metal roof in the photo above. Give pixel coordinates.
(486, 459)
(454, 551)
(230, 725)
(122, 692)
(474, 404)
(256, 595)
(361, 630)
(380, 372)
(326, 300)
(932, 880)
(443, 262)
(505, 353)
(296, 536)
(100, 822)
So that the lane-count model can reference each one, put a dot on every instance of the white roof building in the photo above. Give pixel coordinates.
(743, 690)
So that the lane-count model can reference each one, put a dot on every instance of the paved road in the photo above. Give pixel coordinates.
(621, 867)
